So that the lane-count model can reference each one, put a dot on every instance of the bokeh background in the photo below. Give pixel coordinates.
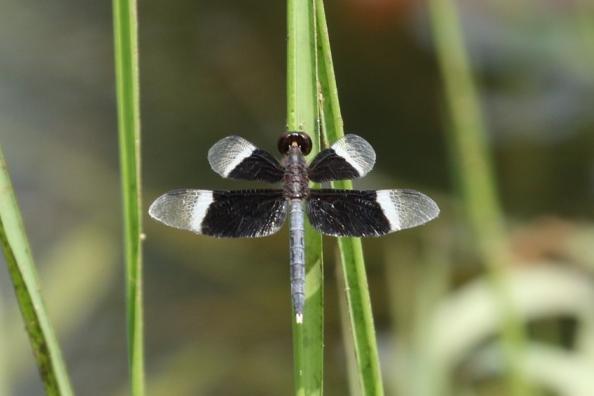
(218, 311)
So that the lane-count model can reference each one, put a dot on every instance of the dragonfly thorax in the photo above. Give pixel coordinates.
(295, 179)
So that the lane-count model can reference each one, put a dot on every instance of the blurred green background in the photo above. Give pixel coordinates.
(218, 311)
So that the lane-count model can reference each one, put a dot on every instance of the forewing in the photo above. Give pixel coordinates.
(368, 213)
(349, 158)
(224, 214)
(236, 158)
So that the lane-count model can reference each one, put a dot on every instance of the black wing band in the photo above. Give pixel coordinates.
(349, 158)
(368, 213)
(236, 158)
(225, 214)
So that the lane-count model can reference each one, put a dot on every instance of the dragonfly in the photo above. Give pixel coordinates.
(257, 213)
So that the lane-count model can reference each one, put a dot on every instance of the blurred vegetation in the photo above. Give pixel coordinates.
(218, 311)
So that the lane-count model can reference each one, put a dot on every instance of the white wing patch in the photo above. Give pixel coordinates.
(385, 201)
(357, 152)
(201, 204)
(229, 152)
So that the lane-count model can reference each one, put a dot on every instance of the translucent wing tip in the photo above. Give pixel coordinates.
(156, 208)
(227, 153)
(429, 208)
(423, 208)
(183, 209)
(161, 211)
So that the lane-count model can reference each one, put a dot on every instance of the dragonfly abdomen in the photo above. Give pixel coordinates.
(297, 257)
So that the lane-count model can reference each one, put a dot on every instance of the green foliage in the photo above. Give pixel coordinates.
(24, 278)
(356, 290)
(302, 114)
(127, 81)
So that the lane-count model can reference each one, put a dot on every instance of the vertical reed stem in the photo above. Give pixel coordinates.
(302, 115)
(127, 84)
(356, 290)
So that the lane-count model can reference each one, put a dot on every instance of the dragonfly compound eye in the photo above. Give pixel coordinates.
(300, 139)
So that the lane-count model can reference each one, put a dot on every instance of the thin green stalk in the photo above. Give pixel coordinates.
(351, 251)
(24, 278)
(352, 366)
(127, 82)
(477, 183)
(302, 114)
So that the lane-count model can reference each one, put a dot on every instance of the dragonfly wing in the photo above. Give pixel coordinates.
(225, 214)
(236, 158)
(349, 158)
(368, 213)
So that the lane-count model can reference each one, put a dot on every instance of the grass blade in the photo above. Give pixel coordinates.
(302, 113)
(24, 278)
(127, 82)
(351, 250)
(476, 179)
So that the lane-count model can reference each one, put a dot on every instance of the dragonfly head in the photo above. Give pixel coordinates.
(294, 139)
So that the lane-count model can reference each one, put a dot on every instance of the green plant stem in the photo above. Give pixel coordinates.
(302, 114)
(24, 279)
(127, 82)
(477, 183)
(356, 290)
